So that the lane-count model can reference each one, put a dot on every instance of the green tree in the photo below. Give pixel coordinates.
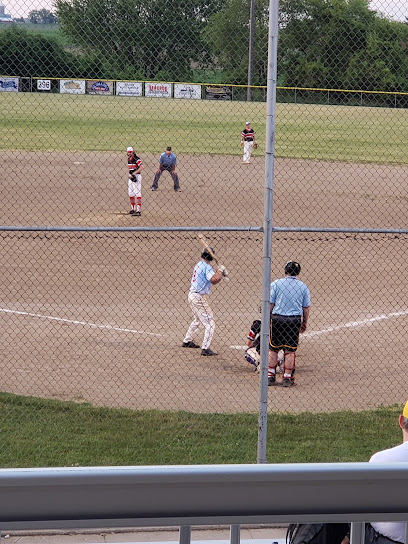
(158, 38)
(227, 35)
(340, 44)
(42, 16)
(28, 54)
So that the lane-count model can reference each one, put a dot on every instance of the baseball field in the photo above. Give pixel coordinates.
(100, 317)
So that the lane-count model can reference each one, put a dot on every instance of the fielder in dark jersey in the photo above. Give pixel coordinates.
(248, 140)
(135, 181)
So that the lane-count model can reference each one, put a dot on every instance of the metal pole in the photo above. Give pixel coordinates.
(235, 536)
(251, 49)
(357, 533)
(268, 214)
(185, 534)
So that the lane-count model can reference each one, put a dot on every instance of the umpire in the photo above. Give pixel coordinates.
(290, 302)
(167, 161)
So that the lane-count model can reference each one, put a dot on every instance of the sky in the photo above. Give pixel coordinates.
(394, 9)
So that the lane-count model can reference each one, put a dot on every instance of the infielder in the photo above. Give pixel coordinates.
(167, 161)
(289, 302)
(248, 140)
(201, 281)
(135, 181)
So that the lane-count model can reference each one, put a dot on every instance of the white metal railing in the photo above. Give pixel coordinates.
(152, 496)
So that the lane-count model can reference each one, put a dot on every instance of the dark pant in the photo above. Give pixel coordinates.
(284, 332)
(173, 175)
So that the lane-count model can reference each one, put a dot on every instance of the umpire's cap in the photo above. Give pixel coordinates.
(207, 256)
(292, 268)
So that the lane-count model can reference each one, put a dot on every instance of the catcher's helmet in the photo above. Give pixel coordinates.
(206, 255)
(292, 268)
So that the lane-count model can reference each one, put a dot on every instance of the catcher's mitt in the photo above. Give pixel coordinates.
(255, 145)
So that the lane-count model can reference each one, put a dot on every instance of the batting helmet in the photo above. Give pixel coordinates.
(292, 268)
(206, 255)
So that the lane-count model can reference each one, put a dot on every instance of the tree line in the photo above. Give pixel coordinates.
(337, 44)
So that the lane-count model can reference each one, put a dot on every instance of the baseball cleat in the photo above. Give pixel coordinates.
(272, 381)
(132, 212)
(154, 188)
(288, 382)
(138, 213)
(177, 190)
(207, 352)
(190, 344)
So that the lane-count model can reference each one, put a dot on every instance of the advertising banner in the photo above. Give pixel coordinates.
(43, 84)
(162, 90)
(218, 92)
(72, 86)
(129, 88)
(187, 91)
(99, 87)
(9, 84)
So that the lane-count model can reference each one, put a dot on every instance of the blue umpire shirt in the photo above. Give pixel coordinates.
(168, 160)
(289, 296)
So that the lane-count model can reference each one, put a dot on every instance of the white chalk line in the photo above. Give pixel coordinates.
(76, 322)
(350, 325)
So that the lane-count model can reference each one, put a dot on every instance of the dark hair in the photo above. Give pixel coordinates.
(206, 255)
(404, 423)
(292, 268)
(168, 148)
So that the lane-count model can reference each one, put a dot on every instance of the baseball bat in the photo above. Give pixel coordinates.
(201, 238)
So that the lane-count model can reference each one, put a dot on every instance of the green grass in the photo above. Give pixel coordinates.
(47, 122)
(40, 432)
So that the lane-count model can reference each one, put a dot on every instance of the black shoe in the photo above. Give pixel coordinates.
(138, 213)
(207, 352)
(190, 344)
(272, 380)
(154, 188)
(177, 190)
(288, 382)
(132, 212)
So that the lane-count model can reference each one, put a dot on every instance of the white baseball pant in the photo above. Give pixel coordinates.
(202, 316)
(135, 187)
(247, 150)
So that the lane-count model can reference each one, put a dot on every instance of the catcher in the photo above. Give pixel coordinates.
(248, 140)
(253, 351)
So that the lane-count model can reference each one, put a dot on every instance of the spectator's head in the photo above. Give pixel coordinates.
(168, 150)
(403, 421)
(292, 268)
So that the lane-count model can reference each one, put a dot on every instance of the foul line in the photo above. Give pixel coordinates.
(350, 325)
(75, 322)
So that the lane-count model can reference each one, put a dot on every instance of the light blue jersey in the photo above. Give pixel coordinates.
(201, 279)
(289, 296)
(168, 160)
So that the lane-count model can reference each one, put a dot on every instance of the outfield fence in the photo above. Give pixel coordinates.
(94, 302)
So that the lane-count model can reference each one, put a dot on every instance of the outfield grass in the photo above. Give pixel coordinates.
(47, 122)
(39, 432)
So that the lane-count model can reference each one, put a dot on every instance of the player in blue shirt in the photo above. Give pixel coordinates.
(202, 279)
(290, 302)
(168, 161)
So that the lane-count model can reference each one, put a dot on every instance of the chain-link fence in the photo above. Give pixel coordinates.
(94, 299)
